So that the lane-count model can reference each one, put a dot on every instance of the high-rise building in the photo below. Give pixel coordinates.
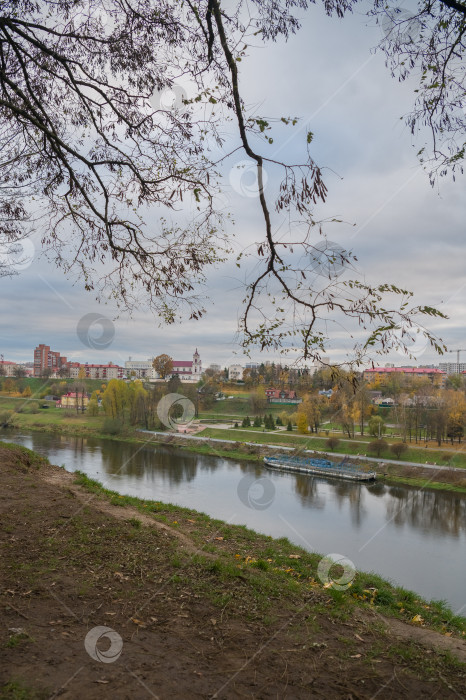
(45, 358)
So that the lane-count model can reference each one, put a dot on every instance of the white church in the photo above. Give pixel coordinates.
(186, 370)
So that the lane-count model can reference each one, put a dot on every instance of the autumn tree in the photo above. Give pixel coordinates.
(92, 408)
(311, 408)
(9, 385)
(115, 399)
(456, 415)
(376, 426)
(363, 403)
(137, 399)
(163, 365)
(302, 424)
(258, 400)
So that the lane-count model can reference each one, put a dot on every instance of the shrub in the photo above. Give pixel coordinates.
(398, 448)
(332, 443)
(257, 422)
(378, 446)
(289, 427)
(246, 422)
(112, 426)
(5, 417)
(278, 421)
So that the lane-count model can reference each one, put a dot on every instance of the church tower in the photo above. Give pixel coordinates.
(197, 365)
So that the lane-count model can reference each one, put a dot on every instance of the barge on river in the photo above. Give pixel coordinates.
(319, 467)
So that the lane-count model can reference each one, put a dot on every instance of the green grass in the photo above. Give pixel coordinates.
(17, 690)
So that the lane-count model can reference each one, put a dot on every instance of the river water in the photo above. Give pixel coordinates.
(415, 538)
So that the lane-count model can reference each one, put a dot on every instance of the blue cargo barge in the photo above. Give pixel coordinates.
(319, 467)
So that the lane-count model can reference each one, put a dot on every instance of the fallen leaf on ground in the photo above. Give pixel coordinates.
(138, 622)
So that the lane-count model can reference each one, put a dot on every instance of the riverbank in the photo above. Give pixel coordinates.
(196, 606)
(212, 442)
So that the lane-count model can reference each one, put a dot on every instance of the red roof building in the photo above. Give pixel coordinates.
(282, 396)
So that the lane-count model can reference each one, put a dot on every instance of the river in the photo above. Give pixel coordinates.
(415, 538)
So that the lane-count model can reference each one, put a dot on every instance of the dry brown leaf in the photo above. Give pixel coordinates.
(140, 623)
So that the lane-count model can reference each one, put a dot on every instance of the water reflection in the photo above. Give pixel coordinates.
(430, 512)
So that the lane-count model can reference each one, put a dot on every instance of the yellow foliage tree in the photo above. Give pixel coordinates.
(302, 424)
(163, 365)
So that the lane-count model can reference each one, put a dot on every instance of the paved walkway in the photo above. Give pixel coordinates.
(379, 460)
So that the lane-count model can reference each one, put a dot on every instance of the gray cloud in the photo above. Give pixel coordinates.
(405, 232)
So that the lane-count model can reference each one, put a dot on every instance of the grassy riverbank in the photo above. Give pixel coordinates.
(202, 607)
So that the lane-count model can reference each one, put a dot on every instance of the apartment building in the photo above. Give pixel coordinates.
(45, 358)
(432, 373)
(235, 373)
(93, 371)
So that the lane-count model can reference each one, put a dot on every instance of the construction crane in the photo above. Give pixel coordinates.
(457, 357)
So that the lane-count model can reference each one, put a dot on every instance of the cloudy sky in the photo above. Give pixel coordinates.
(400, 228)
